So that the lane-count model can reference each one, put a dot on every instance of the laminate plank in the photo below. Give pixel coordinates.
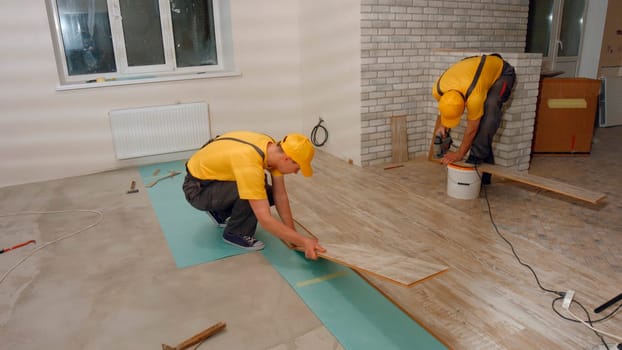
(399, 139)
(544, 183)
(394, 268)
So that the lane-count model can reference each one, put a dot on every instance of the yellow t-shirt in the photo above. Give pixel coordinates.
(231, 160)
(459, 77)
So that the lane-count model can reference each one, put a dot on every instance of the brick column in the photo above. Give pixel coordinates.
(400, 61)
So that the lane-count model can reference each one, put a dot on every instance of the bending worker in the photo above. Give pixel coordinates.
(227, 179)
(481, 84)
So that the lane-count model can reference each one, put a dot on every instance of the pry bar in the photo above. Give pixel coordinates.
(17, 246)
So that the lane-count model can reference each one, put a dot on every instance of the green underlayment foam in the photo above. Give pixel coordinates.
(191, 237)
(358, 315)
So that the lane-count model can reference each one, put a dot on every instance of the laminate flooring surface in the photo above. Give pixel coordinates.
(487, 299)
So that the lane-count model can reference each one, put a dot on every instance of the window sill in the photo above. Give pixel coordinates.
(146, 80)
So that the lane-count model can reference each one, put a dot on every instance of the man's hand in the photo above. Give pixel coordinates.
(465, 145)
(451, 157)
(311, 247)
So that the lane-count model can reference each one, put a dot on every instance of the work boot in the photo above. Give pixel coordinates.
(486, 178)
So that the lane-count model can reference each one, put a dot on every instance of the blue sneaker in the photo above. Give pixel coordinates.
(244, 242)
(217, 218)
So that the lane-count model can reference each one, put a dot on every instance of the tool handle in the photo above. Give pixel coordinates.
(201, 336)
(17, 246)
(608, 304)
(171, 174)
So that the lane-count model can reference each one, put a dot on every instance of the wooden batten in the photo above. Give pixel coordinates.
(399, 139)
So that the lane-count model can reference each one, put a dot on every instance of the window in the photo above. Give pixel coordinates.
(539, 27)
(555, 29)
(113, 40)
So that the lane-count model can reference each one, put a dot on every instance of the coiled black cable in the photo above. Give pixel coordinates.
(322, 130)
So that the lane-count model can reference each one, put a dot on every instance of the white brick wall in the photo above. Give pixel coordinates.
(406, 44)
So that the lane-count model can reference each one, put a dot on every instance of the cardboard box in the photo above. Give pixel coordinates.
(611, 48)
(565, 116)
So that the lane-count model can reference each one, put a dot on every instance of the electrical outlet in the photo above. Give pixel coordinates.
(567, 299)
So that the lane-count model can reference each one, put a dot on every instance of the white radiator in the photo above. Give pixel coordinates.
(147, 131)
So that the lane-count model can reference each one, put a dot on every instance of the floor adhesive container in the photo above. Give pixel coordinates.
(462, 182)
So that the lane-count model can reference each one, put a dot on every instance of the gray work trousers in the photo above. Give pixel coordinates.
(223, 197)
(499, 93)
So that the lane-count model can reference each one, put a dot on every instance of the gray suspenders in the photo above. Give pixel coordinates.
(259, 151)
(238, 140)
(478, 72)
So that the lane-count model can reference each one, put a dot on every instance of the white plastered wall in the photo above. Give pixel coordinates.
(48, 134)
(331, 66)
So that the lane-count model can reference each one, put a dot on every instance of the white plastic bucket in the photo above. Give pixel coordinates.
(462, 183)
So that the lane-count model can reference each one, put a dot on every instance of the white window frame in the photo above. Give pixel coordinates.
(144, 74)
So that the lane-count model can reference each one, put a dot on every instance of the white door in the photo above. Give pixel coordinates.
(556, 29)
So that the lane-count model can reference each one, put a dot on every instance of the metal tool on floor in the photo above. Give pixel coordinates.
(442, 143)
(389, 167)
(133, 188)
(608, 303)
(172, 173)
(17, 246)
(197, 338)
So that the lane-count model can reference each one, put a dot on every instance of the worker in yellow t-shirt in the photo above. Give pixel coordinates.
(227, 178)
(482, 84)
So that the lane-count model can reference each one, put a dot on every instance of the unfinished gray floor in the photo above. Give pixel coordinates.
(115, 285)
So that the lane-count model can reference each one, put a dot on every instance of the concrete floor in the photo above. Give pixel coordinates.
(116, 286)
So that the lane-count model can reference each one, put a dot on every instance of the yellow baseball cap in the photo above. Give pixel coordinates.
(299, 148)
(451, 107)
